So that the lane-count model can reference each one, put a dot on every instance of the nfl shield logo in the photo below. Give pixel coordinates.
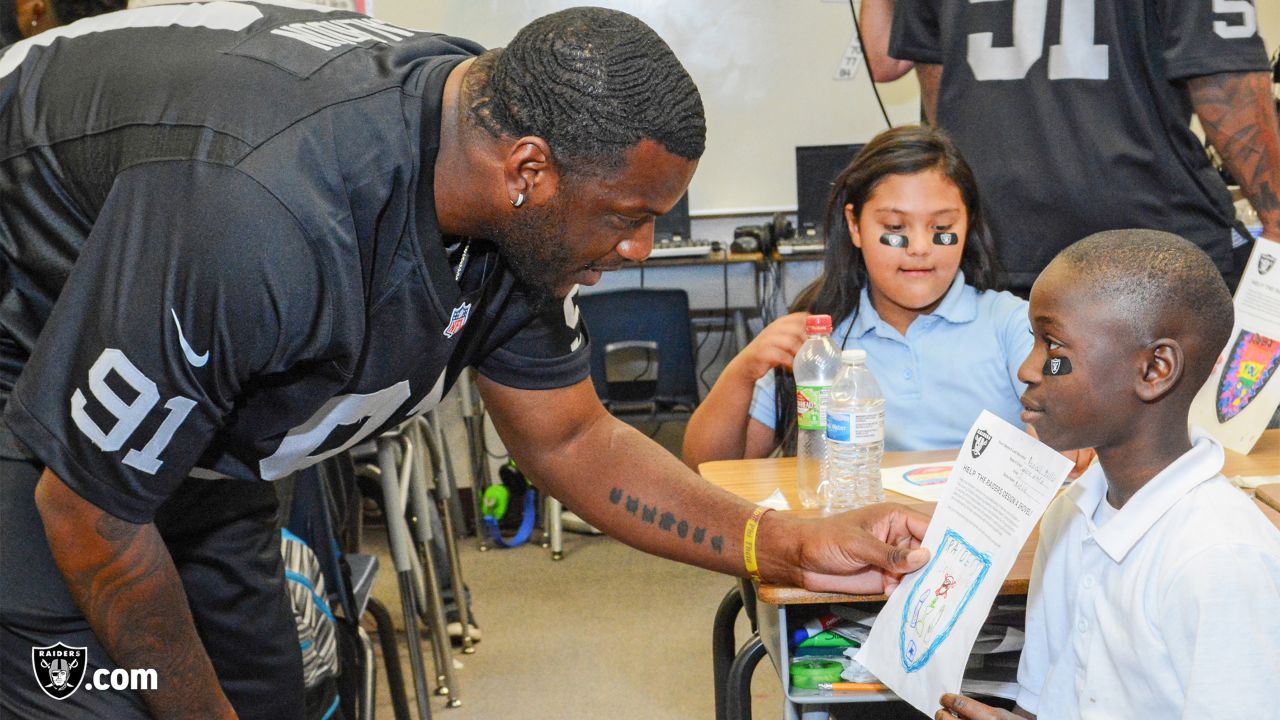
(1251, 362)
(59, 669)
(457, 319)
(981, 439)
(1265, 263)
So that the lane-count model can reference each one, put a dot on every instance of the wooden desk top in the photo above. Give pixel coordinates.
(755, 480)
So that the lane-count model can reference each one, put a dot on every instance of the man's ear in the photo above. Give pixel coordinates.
(530, 170)
(34, 16)
(1162, 366)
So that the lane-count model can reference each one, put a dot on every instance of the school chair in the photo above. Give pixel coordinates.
(640, 328)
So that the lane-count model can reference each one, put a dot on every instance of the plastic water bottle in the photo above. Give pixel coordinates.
(815, 370)
(855, 437)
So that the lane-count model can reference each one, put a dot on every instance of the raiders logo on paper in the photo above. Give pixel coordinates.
(981, 439)
(59, 669)
(1265, 263)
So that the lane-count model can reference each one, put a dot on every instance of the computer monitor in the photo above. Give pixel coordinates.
(817, 167)
(674, 226)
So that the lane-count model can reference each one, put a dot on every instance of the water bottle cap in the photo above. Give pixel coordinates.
(815, 324)
(853, 356)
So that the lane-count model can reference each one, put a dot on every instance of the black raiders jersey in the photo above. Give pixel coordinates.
(220, 249)
(1075, 113)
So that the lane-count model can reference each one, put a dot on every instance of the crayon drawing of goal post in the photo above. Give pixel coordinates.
(938, 597)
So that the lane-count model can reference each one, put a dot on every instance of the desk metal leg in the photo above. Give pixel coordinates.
(401, 553)
(738, 689)
(433, 436)
(390, 658)
(740, 335)
(555, 528)
(369, 679)
(722, 645)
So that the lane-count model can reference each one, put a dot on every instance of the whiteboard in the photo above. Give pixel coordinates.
(767, 71)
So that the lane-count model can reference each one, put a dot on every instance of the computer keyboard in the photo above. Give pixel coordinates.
(800, 246)
(680, 248)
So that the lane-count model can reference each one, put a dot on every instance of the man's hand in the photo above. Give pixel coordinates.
(959, 706)
(860, 552)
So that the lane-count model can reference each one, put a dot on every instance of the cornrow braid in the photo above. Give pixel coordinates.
(591, 82)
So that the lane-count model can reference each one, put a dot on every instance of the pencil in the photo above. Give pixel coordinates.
(852, 686)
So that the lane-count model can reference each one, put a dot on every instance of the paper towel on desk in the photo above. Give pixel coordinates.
(776, 501)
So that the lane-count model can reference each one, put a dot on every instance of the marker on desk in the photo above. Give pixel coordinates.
(813, 627)
(852, 686)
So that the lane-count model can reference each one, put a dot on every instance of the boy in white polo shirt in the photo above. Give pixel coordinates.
(1156, 586)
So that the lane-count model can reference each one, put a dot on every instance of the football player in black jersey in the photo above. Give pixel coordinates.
(239, 238)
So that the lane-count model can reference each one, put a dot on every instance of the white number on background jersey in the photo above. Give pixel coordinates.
(1074, 57)
(1248, 19)
(128, 415)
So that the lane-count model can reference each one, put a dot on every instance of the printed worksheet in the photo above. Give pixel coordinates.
(1237, 401)
(1001, 483)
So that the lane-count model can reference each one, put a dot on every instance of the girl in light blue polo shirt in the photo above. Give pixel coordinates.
(914, 287)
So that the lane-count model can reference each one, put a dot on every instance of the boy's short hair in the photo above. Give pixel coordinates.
(1164, 284)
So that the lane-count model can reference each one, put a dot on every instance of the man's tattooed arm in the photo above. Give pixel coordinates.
(1238, 113)
(123, 579)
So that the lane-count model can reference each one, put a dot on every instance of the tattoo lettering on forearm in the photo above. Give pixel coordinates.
(1237, 111)
(666, 522)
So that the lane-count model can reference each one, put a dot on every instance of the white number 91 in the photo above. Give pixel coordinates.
(128, 415)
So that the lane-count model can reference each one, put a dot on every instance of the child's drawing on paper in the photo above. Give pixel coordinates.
(938, 598)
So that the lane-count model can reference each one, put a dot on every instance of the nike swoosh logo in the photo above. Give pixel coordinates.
(192, 357)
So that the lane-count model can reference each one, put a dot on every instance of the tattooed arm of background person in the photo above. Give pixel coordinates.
(123, 579)
(1238, 113)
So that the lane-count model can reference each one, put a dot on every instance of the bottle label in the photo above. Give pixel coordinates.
(811, 406)
(856, 428)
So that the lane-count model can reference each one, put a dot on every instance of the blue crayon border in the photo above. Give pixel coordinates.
(942, 636)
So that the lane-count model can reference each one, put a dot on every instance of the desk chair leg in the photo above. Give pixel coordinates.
(431, 609)
(722, 645)
(400, 541)
(473, 419)
(368, 679)
(555, 528)
(445, 487)
(738, 689)
(390, 658)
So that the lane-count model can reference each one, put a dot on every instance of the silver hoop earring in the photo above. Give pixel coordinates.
(518, 201)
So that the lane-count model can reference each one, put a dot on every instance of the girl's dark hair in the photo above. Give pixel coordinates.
(903, 150)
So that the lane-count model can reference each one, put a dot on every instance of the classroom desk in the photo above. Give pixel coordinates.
(755, 480)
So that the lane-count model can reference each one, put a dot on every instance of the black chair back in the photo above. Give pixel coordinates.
(657, 320)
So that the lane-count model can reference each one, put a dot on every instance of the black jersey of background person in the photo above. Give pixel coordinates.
(1063, 157)
(234, 215)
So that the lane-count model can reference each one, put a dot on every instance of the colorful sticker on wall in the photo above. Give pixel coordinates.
(1251, 362)
(927, 475)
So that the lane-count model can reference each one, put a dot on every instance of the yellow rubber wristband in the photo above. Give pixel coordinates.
(749, 542)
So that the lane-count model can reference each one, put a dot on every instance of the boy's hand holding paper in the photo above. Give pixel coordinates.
(1001, 483)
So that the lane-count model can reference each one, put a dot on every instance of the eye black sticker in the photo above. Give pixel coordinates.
(1057, 366)
(893, 240)
(946, 238)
